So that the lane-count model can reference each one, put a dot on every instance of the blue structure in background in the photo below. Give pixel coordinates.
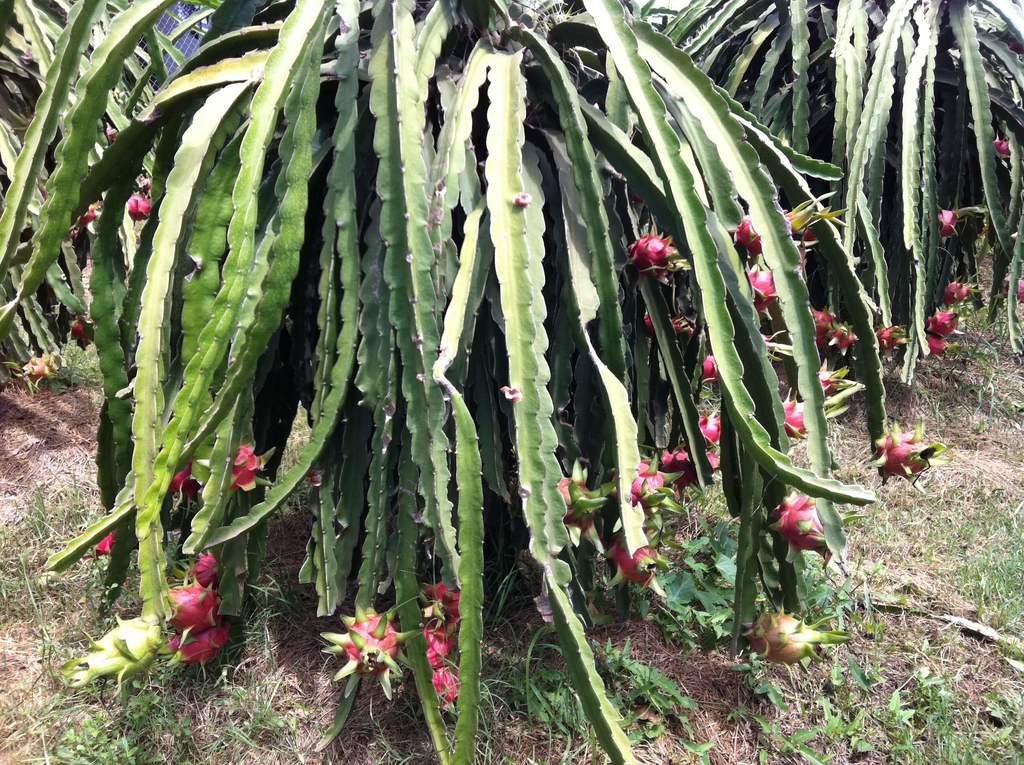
(189, 42)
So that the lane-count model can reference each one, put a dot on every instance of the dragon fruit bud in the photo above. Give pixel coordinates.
(206, 570)
(195, 607)
(372, 646)
(824, 321)
(763, 284)
(955, 292)
(652, 254)
(247, 465)
(1002, 147)
(106, 545)
(447, 685)
(199, 647)
(795, 426)
(904, 453)
(798, 522)
(439, 645)
(640, 567)
(139, 207)
(711, 427)
(784, 639)
(748, 237)
(889, 338)
(947, 223)
(40, 368)
(709, 369)
(125, 651)
(183, 483)
(843, 337)
(943, 323)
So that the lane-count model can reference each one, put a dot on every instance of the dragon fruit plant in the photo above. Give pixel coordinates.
(785, 639)
(427, 231)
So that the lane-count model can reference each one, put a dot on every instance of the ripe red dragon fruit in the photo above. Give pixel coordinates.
(947, 223)
(372, 647)
(824, 322)
(646, 488)
(91, 214)
(937, 346)
(447, 685)
(955, 292)
(942, 323)
(442, 604)
(640, 567)
(653, 254)
(784, 639)
(748, 237)
(247, 465)
(581, 504)
(711, 427)
(680, 324)
(81, 330)
(904, 453)
(843, 337)
(183, 483)
(890, 338)
(198, 647)
(139, 207)
(206, 570)
(106, 545)
(195, 607)
(439, 645)
(709, 369)
(763, 284)
(1002, 147)
(795, 426)
(1016, 47)
(315, 477)
(798, 522)
(679, 463)
(1020, 291)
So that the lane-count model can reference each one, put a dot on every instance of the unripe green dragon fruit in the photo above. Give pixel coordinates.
(784, 639)
(125, 651)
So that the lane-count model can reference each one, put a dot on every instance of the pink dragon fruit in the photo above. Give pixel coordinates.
(947, 223)
(711, 427)
(647, 485)
(763, 284)
(199, 647)
(106, 545)
(904, 453)
(640, 567)
(372, 647)
(784, 639)
(680, 325)
(748, 237)
(447, 685)
(91, 213)
(442, 604)
(1002, 147)
(942, 323)
(955, 292)
(206, 570)
(439, 645)
(709, 369)
(678, 462)
(139, 207)
(111, 133)
(890, 338)
(653, 254)
(843, 337)
(795, 426)
(247, 465)
(1020, 291)
(798, 522)
(183, 483)
(937, 346)
(81, 330)
(824, 322)
(581, 503)
(195, 607)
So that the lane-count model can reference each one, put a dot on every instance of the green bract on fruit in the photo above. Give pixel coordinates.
(125, 651)
(784, 639)
(372, 646)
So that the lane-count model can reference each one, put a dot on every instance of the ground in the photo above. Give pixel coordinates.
(935, 602)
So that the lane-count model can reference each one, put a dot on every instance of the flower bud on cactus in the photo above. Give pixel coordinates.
(763, 284)
(247, 465)
(183, 483)
(106, 545)
(955, 292)
(139, 207)
(947, 223)
(372, 647)
(640, 567)
(447, 685)
(784, 639)
(709, 369)
(711, 427)
(195, 607)
(1002, 147)
(748, 237)
(206, 570)
(905, 454)
(653, 254)
(795, 426)
(125, 651)
(942, 323)
(798, 522)
(199, 647)
(890, 338)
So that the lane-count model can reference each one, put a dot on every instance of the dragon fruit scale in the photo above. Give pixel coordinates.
(784, 639)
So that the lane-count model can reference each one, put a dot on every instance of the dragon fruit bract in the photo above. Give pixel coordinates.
(824, 323)
(247, 465)
(784, 639)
